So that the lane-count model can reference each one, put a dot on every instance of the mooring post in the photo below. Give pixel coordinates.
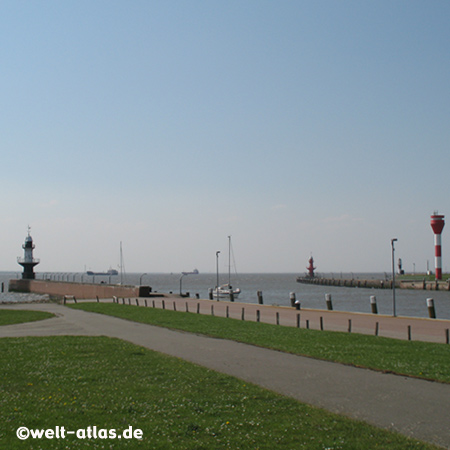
(163, 304)
(431, 310)
(174, 306)
(260, 297)
(137, 302)
(307, 324)
(298, 320)
(145, 303)
(321, 323)
(297, 304)
(447, 336)
(228, 312)
(278, 318)
(212, 310)
(258, 317)
(373, 304)
(292, 298)
(198, 308)
(97, 298)
(409, 332)
(349, 325)
(243, 314)
(329, 303)
(210, 293)
(187, 307)
(376, 329)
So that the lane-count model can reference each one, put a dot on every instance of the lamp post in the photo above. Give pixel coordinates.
(140, 279)
(217, 272)
(194, 272)
(393, 276)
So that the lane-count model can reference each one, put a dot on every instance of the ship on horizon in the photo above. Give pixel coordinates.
(108, 272)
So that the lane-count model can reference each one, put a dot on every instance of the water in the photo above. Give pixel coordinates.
(275, 289)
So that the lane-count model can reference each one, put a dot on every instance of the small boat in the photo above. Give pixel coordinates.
(225, 290)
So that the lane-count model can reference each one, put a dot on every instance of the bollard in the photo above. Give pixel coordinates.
(307, 324)
(153, 303)
(163, 304)
(3, 287)
(129, 301)
(123, 301)
(297, 304)
(329, 303)
(278, 318)
(97, 298)
(376, 329)
(349, 325)
(174, 306)
(145, 303)
(137, 302)
(198, 308)
(187, 307)
(210, 293)
(431, 310)
(231, 296)
(447, 336)
(292, 298)
(321, 323)
(409, 332)
(258, 316)
(373, 304)
(228, 312)
(298, 320)
(212, 310)
(260, 297)
(243, 314)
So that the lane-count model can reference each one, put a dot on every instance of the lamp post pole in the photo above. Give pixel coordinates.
(393, 276)
(217, 274)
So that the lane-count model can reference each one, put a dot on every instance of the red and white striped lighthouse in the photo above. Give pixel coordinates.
(437, 223)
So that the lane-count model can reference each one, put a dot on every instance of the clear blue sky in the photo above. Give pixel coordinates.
(297, 127)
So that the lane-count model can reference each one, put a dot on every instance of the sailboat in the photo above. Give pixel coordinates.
(225, 290)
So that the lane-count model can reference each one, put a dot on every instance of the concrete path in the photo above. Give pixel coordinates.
(410, 406)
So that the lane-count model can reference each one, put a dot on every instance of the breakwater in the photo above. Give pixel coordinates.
(78, 290)
(378, 284)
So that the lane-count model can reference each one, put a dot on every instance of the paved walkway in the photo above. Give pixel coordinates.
(413, 407)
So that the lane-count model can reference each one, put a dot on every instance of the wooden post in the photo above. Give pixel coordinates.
(321, 323)
(329, 302)
(447, 336)
(376, 329)
(145, 303)
(97, 298)
(258, 317)
(228, 312)
(174, 306)
(373, 304)
(137, 302)
(243, 314)
(260, 297)
(409, 332)
(307, 324)
(153, 303)
(298, 320)
(198, 308)
(349, 325)
(278, 318)
(187, 307)
(212, 310)
(431, 310)
(210, 293)
(163, 304)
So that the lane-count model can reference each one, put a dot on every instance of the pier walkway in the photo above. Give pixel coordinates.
(413, 407)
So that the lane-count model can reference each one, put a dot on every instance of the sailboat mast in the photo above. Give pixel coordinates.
(229, 260)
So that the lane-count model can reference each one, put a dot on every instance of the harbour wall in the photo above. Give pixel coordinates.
(379, 284)
(79, 290)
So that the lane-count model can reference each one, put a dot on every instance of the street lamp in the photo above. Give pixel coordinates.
(140, 279)
(217, 272)
(194, 272)
(393, 276)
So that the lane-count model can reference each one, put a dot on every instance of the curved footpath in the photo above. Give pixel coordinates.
(413, 407)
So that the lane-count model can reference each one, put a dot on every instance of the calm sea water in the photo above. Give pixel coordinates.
(275, 288)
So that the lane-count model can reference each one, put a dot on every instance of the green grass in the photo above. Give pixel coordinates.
(412, 358)
(78, 382)
(12, 316)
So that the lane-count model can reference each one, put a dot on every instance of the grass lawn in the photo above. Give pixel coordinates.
(12, 316)
(413, 358)
(77, 382)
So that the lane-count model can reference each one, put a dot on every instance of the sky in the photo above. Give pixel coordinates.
(298, 127)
